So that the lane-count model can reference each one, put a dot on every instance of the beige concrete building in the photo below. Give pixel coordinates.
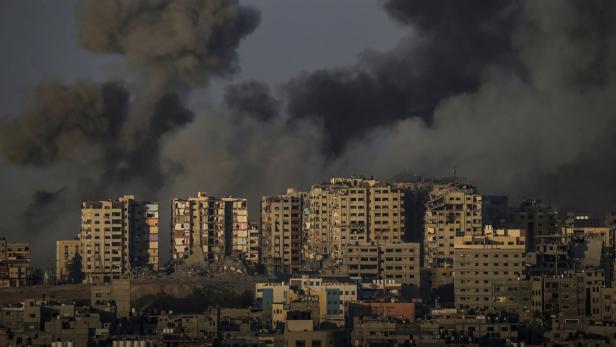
(483, 263)
(13, 250)
(282, 227)
(350, 210)
(397, 261)
(208, 227)
(117, 237)
(452, 210)
(66, 250)
(14, 264)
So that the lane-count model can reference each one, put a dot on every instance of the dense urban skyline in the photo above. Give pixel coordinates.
(516, 95)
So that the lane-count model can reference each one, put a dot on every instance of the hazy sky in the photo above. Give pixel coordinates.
(38, 40)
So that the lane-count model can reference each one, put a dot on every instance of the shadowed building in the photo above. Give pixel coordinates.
(485, 263)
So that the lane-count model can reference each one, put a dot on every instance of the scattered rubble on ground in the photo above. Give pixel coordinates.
(197, 267)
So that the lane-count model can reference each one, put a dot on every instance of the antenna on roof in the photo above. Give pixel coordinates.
(454, 172)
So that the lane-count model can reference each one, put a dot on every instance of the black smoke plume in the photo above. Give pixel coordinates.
(518, 95)
(252, 99)
(453, 41)
(50, 202)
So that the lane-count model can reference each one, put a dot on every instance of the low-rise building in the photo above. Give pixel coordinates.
(569, 294)
(331, 296)
(14, 264)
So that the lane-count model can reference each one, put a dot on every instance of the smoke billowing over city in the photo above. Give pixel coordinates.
(163, 99)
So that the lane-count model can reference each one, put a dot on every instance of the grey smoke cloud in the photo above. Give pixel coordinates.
(450, 45)
(92, 140)
(183, 41)
(33, 221)
(543, 128)
(517, 95)
(252, 99)
(61, 120)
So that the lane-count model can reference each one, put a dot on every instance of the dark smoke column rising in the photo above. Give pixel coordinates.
(100, 140)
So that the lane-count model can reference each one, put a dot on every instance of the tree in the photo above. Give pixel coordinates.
(35, 276)
(75, 274)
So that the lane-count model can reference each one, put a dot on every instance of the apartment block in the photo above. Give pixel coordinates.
(538, 219)
(118, 236)
(66, 251)
(452, 210)
(330, 295)
(483, 263)
(282, 227)
(254, 243)
(14, 264)
(570, 294)
(208, 227)
(495, 210)
(351, 210)
(396, 261)
(143, 223)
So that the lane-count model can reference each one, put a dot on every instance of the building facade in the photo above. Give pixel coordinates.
(66, 253)
(353, 210)
(397, 261)
(538, 219)
(14, 264)
(282, 228)
(452, 210)
(484, 263)
(117, 237)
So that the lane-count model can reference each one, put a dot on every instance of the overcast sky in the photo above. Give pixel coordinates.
(38, 40)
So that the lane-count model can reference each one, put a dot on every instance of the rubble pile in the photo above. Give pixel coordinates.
(230, 264)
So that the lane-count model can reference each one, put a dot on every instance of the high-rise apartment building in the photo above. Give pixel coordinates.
(569, 294)
(66, 251)
(236, 224)
(452, 210)
(208, 227)
(538, 219)
(282, 228)
(118, 236)
(484, 263)
(351, 210)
